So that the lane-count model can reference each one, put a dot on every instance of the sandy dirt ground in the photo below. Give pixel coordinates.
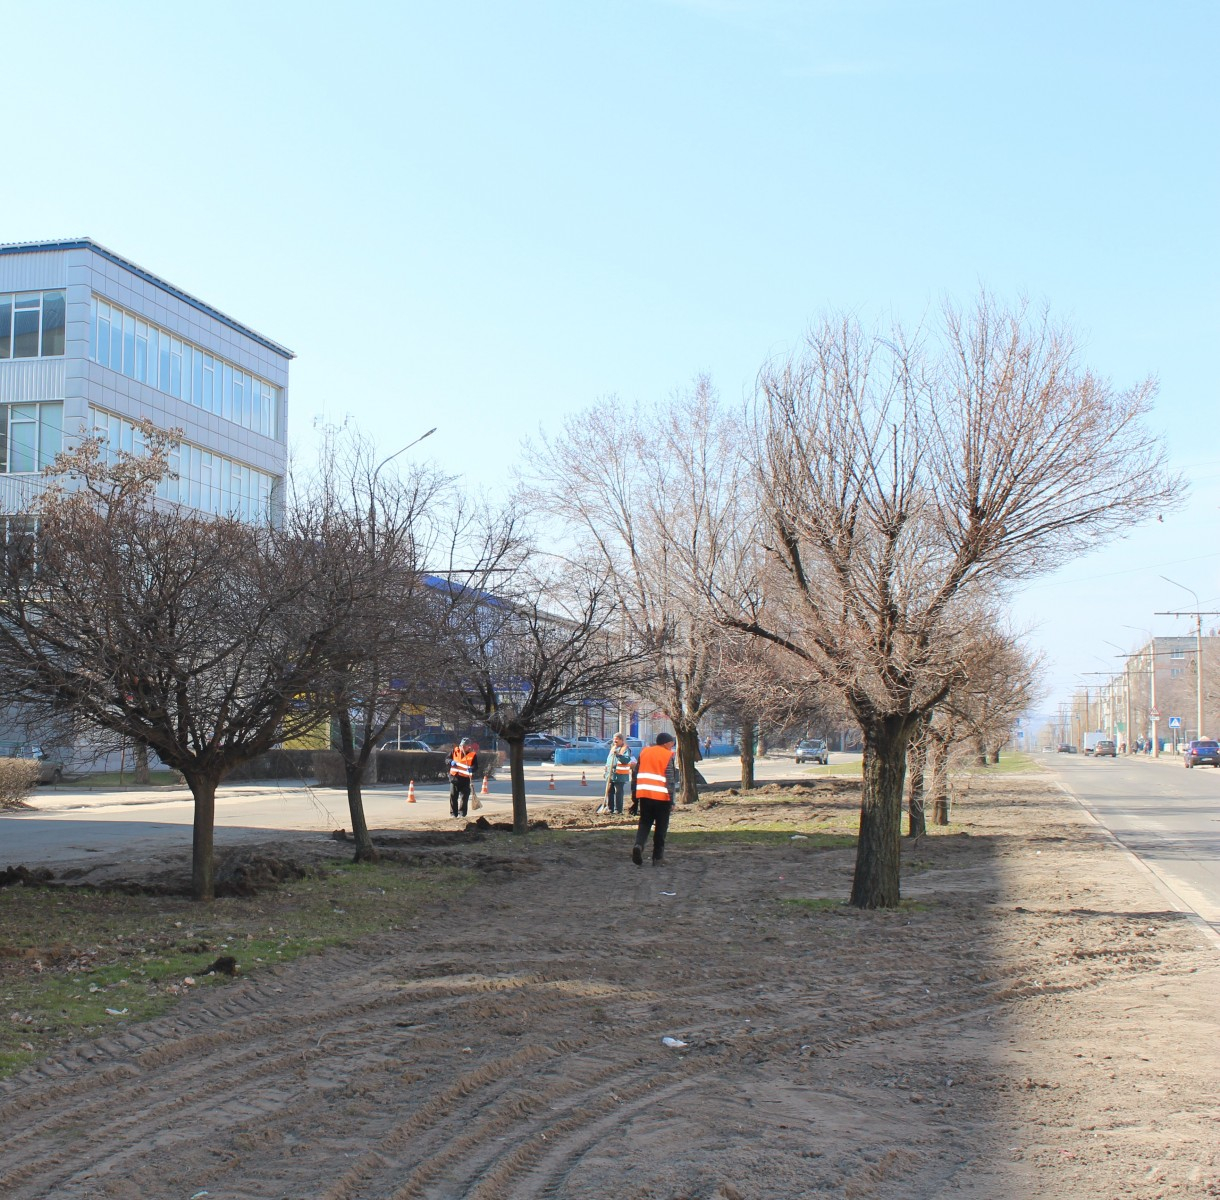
(1036, 1023)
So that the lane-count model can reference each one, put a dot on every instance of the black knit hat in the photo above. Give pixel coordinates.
(663, 739)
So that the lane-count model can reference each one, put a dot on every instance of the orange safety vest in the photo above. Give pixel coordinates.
(463, 763)
(650, 781)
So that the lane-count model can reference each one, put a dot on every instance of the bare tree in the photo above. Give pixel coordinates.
(917, 765)
(999, 682)
(996, 680)
(374, 533)
(656, 491)
(200, 637)
(523, 641)
(760, 686)
(900, 478)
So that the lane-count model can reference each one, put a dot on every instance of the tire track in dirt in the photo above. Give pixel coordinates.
(513, 1055)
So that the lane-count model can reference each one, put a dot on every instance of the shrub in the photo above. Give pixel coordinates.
(17, 779)
(278, 764)
(403, 766)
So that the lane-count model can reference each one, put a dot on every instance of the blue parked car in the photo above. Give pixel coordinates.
(1202, 750)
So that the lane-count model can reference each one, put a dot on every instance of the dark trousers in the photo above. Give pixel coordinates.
(459, 786)
(654, 815)
(615, 791)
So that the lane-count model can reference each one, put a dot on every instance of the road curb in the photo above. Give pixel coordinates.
(1205, 927)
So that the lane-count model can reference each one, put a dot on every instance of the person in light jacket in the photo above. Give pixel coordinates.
(617, 774)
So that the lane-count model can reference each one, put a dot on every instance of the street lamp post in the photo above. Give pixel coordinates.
(400, 450)
(377, 471)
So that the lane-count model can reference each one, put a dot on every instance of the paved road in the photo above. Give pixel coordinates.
(1165, 815)
(70, 826)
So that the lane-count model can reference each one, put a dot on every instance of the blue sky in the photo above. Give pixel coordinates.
(481, 216)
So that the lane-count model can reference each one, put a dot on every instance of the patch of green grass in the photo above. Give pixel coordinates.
(849, 770)
(815, 903)
(67, 956)
(1009, 764)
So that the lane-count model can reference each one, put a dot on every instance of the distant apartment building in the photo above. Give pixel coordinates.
(1167, 669)
(91, 343)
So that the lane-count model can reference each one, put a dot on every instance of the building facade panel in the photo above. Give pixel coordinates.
(91, 342)
(36, 271)
(33, 379)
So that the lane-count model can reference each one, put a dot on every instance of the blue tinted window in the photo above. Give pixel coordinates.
(23, 437)
(154, 355)
(129, 345)
(52, 323)
(140, 371)
(25, 326)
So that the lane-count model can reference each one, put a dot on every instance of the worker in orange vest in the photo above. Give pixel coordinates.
(463, 763)
(655, 788)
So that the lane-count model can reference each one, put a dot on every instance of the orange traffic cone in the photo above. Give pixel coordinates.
(583, 781)
(484, 790)
(552, 783)
(411, 792)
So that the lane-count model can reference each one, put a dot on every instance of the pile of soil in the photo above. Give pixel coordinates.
(1033, 1022)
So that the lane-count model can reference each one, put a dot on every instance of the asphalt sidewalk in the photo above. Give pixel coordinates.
(68, 824)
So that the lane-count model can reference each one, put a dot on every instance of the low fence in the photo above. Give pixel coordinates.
(580, 755)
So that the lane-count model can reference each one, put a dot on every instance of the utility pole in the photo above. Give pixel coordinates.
(1126, 696)
(1153, 715)
(1156, 741)
(1198, 615)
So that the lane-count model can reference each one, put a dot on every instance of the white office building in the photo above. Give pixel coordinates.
(92, 343)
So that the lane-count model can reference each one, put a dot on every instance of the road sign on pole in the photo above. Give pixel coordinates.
(1154, 714)
(1175, 722)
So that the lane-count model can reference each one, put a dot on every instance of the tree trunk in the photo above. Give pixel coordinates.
(203, 788)
(747, 756)
(995, 755)
(980, 753)
(917, 758)
(688, 755)
(353, 769)
(878, 851)
(938, 754)
(516, 775)
(140, 751)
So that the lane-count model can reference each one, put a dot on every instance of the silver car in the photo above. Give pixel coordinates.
(50, 769)
(812, 750)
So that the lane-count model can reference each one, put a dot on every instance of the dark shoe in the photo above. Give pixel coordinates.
(637, 856)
